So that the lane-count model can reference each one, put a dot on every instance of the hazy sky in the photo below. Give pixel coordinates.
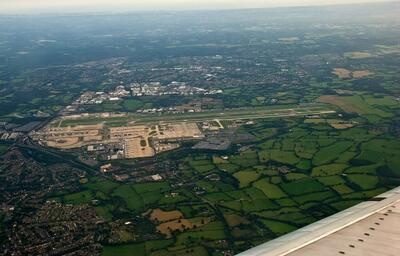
(17, 6)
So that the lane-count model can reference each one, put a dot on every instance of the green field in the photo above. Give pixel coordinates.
(342, 189)
(366, 182)
(3, 149)
(124, 250)
(286, 157)
(278, 227)
(104, 186)
(245, 159)
(327, 154)
(366, 105)
(84, 197)
(130, 196)
(327, 170)
(132, 105)
(270, 190)
(105, 211)
(302, 187)
(331, 180)
(315, 197)
(295, 176)
(246, 177)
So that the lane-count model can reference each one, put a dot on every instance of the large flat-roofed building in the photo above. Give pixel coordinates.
(178, 131)
(369, 228)
(127, 132)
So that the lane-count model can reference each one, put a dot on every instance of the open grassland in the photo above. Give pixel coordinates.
(105, 186)
(364, 181)
(286, 157)
(270, 190)
(84, 197)
(327, 170)
(342, 189)
(246, 177)
(278, 227)
(363, 105)
(124, 250)
(327, 154)
(302, 187)
(130, 196)
(331, 180)
(335, 123)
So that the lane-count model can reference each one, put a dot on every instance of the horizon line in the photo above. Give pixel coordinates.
(119, 10)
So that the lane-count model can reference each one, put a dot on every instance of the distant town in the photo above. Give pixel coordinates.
(139, 90)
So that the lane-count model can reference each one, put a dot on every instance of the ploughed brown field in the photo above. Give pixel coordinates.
(343, 73)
